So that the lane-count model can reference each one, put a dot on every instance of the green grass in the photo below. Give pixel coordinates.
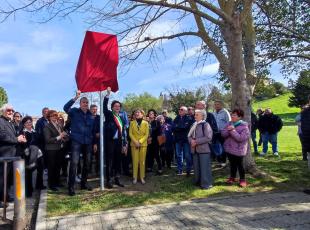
(287, 173)
(280, 107)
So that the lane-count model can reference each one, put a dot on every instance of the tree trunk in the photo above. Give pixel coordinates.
(241, 94)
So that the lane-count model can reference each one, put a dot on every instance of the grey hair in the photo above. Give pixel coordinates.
(5, 107)
(184, 107)
(203, 112)
(159, 117)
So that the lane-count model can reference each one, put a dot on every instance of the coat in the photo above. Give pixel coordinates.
(82, 125)
(305, 128)
(50, 137)
(110, 126)
(8, 139)
(236, 141)
(270, 123)
(137, 133)
(203, 136)
(181, 126)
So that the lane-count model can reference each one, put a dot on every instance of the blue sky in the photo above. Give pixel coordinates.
(38, 62)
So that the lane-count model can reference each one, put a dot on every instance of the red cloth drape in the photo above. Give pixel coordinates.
(97, 66)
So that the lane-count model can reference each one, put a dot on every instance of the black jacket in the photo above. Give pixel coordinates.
(305, 128)
(30, 150)
(212, 122)
(50, 137)
(270, 123)
(8, 139)
(254, 122)
(41, 123)
(181, 126)
(110, 127)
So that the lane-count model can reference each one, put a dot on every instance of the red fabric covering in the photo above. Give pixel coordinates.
(97, 66)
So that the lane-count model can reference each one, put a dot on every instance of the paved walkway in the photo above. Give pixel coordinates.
(258, 211)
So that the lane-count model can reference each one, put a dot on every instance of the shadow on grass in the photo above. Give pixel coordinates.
(285, 175)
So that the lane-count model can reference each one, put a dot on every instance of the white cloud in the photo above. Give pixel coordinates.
(186, 54)
(42, 48)
(207, 70)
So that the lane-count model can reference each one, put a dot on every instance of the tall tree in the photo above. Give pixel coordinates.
(3, 96)
(301, 90)
(143, 101)
(185, 97)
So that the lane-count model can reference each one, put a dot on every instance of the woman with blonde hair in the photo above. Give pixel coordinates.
(138, 132)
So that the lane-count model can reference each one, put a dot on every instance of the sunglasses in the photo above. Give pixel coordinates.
(10, 110)
(181, 109)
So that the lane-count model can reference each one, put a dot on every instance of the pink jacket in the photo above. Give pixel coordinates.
(236, 141)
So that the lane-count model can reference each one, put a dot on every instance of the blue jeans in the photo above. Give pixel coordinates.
(182, 149)
(253, 137)
(272, 138)
(76, 150)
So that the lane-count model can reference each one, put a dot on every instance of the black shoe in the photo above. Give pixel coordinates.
(60, 186)
(159, 173)
(86, 187)
(54, 189)
(188, 174)
(118, 183)
(109, 185)
(71, 192)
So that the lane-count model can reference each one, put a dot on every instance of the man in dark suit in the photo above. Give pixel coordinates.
(8, 142)
(40, 124)
(115, 140)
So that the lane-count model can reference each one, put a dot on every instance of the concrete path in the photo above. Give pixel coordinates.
(289, 210)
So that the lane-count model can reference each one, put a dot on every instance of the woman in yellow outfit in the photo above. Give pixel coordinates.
(138, 132)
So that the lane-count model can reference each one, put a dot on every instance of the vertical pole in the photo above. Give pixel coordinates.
(5, 175)
(101, 143)
(19, 219)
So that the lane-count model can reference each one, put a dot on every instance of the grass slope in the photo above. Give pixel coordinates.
(279, 106)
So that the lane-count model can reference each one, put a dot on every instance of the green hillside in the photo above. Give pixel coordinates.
(279, 106)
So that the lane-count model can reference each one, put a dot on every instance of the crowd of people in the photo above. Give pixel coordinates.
(192, 140)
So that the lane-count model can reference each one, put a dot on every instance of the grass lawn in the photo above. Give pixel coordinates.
(287, 173)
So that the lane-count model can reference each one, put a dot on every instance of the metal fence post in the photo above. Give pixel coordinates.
(19, 220)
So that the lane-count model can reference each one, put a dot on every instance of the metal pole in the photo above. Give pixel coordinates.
(5, 174)
(101, 143)
(19, 219)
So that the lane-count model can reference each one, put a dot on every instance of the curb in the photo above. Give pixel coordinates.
(41, 215)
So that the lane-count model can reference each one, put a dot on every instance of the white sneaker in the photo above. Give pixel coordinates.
(262, 154)
(134, 181)
(276, 154)
(142, 181)
(77, 179)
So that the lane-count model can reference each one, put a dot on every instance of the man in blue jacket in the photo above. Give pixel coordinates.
(82, 138)
(181, 126)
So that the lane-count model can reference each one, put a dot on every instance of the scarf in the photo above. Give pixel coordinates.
(237, 123)
(118, 122)
(192, 131)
